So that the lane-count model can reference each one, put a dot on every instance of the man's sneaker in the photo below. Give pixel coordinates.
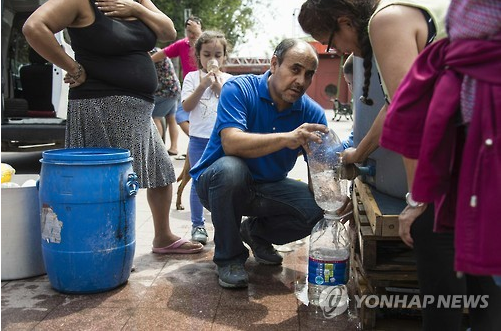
(198, 233)
(233, 276)
(263, 251)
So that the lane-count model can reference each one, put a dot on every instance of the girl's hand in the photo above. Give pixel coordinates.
(207, 80)
(216, 85)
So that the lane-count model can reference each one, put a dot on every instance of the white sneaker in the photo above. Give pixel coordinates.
(199, 233)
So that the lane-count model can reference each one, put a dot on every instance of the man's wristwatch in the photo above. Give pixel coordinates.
(411, 203)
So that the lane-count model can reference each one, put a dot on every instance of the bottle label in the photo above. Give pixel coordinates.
(327, 273)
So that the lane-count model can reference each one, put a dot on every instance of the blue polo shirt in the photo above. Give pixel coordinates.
(246, 104)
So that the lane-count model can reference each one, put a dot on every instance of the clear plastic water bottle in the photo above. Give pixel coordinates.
(328, 265)
(328, 269)
(212, 65)
(324, 162)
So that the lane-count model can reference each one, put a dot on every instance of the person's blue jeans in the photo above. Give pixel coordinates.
(195, 149)
(285, 211)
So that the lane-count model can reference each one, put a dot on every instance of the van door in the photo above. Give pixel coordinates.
(33, 115)
(59, 88)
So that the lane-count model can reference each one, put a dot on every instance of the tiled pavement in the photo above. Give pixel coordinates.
(180, 292)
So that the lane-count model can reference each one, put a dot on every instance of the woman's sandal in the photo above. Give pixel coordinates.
(175, 248)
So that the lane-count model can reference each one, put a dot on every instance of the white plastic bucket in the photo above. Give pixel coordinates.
(21, 234)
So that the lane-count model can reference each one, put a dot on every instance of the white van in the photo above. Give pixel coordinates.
(34, 96)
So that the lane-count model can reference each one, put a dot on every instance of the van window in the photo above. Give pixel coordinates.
(17, 55)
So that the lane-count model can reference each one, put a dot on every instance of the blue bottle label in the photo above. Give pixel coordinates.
(328, 273)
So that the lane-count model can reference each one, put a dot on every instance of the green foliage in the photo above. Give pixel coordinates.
(232, 17)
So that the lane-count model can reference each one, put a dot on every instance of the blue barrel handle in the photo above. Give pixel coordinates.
(132, 184)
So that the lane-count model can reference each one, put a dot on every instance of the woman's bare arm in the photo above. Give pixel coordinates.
(50, 18)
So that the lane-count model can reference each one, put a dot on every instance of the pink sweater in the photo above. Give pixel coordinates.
(459, 171)
(182, 49)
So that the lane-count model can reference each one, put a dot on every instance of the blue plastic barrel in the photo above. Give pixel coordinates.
(87, 202)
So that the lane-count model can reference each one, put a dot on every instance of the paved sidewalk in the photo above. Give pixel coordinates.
(181, 292)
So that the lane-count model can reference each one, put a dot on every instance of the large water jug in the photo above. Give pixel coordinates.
(324, 163)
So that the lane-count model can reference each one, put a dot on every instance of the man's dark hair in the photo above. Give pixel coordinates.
(193, 19)
(285, 45)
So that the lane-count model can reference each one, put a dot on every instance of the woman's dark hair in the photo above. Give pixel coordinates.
(208, 36)
(321, 16)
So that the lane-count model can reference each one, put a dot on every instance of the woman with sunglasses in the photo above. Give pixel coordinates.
(394, 32)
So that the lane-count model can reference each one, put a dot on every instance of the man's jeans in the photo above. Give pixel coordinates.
(286, 210)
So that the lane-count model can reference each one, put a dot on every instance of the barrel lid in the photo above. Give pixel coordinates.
(85, 154)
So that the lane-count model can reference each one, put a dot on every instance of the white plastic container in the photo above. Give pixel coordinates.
(21, 234)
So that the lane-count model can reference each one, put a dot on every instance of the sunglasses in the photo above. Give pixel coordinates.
(329, 45)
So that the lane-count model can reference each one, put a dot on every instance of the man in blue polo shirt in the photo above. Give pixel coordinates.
(263, 124)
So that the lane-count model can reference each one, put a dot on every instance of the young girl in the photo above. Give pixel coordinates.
(200, 97)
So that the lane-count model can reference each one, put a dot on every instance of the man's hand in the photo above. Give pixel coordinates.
(405, 220)
(305, 133)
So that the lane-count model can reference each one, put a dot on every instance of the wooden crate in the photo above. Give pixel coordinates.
(383, 222)
(379, 259)
(378, 252)
(362, 287)
(364, 284)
